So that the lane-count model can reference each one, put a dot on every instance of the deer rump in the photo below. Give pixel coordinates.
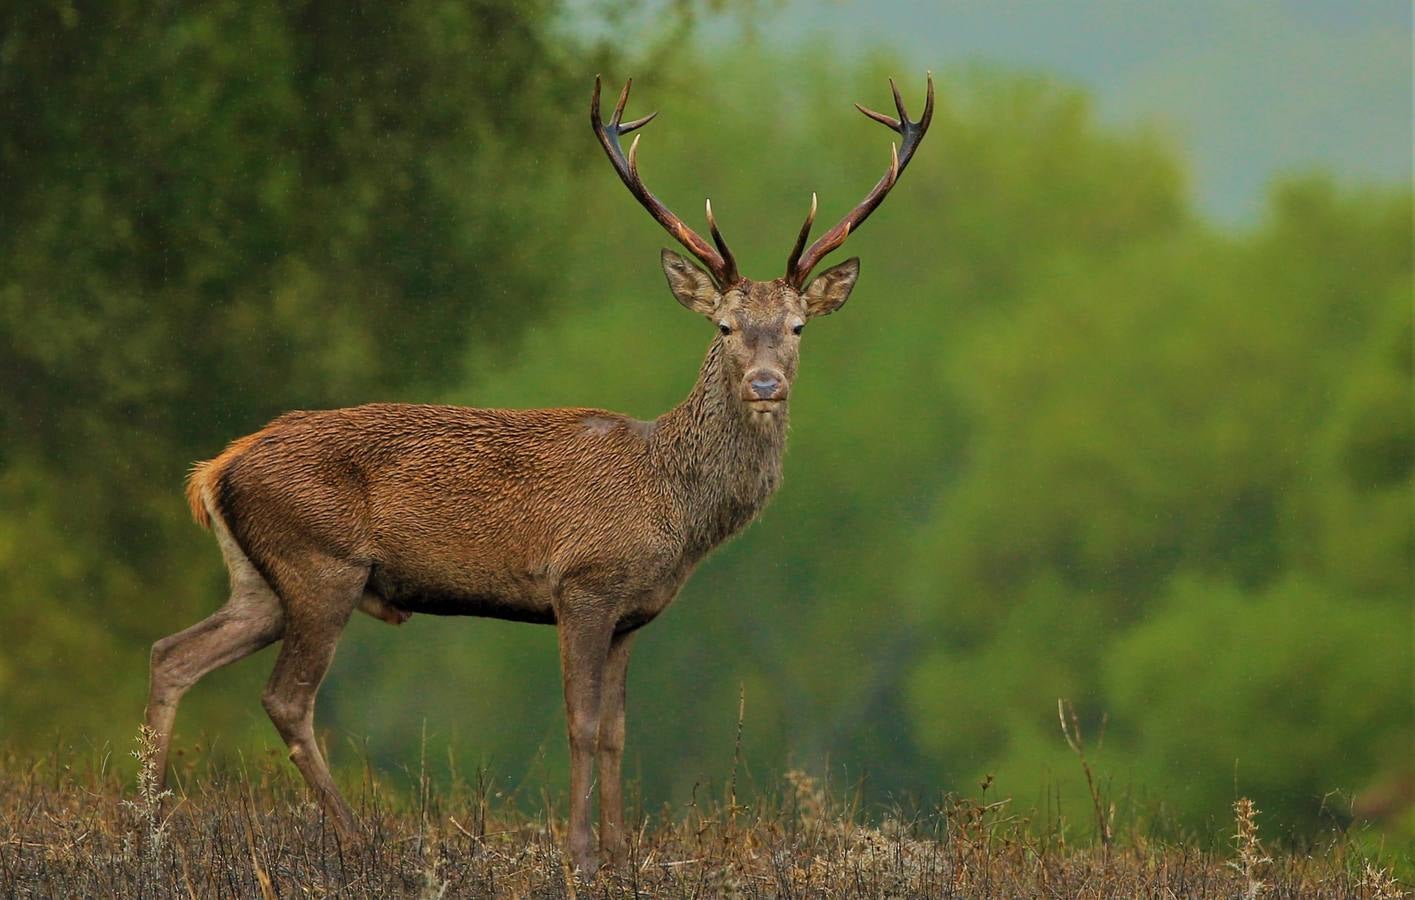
(454, 511)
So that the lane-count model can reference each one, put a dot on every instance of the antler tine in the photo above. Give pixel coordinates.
(800, 264)
(634, 157)
(928, 115)
(886, 121)
(718, 239)
(638, 123)
(898, 100)
(720, 263)
(801, 238)
(624, 99)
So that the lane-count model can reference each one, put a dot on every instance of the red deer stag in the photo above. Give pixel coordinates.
(579, 518)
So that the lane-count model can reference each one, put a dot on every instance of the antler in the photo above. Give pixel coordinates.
(799, 264)
(720, 263)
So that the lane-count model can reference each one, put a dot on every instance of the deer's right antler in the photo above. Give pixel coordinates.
(720, 263)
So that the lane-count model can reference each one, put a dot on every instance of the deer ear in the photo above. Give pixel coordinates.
(691, 285)
(830, 289)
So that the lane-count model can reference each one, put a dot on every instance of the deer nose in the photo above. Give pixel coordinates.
(765, 385)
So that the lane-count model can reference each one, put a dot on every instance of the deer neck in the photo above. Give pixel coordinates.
(722, 464)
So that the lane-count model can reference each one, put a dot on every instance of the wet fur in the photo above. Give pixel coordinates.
(483, 512)
(581, 518)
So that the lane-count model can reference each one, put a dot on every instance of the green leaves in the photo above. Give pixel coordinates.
(1198, 448)
(212, 215)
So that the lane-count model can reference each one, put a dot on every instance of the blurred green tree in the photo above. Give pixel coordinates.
(1187, 506)
(218, 212)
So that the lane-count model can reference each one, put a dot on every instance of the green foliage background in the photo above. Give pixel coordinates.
(1067, 440)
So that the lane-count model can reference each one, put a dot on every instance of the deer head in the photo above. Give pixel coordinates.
(759, 323)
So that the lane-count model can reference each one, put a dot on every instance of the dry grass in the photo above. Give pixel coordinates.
(69, 830)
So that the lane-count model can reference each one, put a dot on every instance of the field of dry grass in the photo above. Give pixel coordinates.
(80, 829)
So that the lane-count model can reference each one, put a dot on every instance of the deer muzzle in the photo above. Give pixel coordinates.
(764, 386)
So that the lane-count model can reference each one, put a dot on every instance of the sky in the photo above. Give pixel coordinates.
(1247, 89)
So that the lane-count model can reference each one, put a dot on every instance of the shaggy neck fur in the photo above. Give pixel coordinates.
(723, 462)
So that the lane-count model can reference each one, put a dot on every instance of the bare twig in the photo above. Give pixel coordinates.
(1071, 730)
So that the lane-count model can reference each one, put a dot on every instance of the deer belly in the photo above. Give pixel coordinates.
(473, 594)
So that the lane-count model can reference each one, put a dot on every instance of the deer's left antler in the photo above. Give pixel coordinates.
(802, 259)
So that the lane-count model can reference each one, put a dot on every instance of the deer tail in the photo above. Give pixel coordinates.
(205, 475)
(196, 486)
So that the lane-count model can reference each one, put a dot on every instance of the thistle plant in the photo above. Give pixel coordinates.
(147, 808)
(1251, 857)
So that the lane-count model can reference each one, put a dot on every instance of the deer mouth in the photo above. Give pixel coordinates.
(762, 410)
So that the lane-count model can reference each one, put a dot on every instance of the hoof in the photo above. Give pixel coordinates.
(349, 831)
(586, 869)
(614, 857)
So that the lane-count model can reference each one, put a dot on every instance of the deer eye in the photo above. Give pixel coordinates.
(724, 328)
(798, 327)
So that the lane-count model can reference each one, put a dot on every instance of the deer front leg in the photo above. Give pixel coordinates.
(611, 748)
(584, 646)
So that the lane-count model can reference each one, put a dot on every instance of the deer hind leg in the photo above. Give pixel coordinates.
(250, 620)
(316, 611)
